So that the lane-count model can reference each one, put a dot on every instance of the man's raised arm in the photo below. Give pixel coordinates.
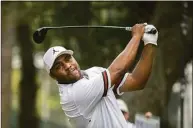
(124, 60)
(138, 78)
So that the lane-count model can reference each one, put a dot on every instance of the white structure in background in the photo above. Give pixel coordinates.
(38, 62)
(187, 98)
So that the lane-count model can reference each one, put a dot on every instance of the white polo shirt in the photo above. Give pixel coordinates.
(91, 103)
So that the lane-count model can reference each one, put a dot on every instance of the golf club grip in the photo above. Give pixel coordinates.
(152, 31)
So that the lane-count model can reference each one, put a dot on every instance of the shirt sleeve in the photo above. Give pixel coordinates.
(88, 92)
(119, 84)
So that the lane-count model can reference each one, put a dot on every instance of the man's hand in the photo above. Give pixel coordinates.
(150, 38)
(138, 30)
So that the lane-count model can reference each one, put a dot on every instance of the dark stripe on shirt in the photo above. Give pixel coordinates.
(117, 85)
(105, 79)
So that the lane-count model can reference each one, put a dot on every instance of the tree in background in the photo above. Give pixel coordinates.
(28, 86)
(8, 37)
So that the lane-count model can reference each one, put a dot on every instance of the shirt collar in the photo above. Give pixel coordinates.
(84, 74)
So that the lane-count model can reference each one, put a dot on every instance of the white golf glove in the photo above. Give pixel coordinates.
(149, 38)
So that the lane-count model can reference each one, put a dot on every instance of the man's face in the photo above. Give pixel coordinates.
(65, 69)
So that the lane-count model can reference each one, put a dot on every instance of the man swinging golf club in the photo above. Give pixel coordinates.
(88, 97)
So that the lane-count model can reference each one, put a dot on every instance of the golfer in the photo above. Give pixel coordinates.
(87, 96)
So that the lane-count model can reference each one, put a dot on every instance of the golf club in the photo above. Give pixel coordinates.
(40, 34)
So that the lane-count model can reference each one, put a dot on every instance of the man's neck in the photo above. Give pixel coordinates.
(83, 75)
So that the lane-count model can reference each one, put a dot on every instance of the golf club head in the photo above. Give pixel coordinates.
(39, 35)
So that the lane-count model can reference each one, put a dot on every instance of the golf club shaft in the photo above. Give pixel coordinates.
(93, 26)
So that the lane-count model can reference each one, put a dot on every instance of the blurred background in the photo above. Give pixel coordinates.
(29, 97)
